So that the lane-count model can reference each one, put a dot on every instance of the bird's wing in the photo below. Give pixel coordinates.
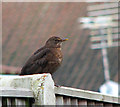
(37, 60)
(38, 50)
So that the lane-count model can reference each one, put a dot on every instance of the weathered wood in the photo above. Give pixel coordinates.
(29, 102)
(102, 6)
(67, 100)
(44, 93)
(12, 100)
(108, 105)
(78, 93)
(99, 103)
(74, 101)
(82, 102)
(59, 100)
(4, 101)
(0, 101)
(90, 103)
(9, 101)
(19, 101)
(116, 105)
(39, 86)
(20, 92)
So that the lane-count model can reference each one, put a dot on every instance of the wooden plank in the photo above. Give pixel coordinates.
(19, 101)
(102, 6)
(103, 12)
(99, 104)
(12, 101)
(13, 86)
(116, 105)
(99, 37)
(9, 101)
(74, 101)
(67, 100)
(108, 105)
(4, 102)
(82, 102)
(88, 95)
(59, 100)
(29, 102)
(10, 92)
(0, 101)
(90, 103)
(99, 46)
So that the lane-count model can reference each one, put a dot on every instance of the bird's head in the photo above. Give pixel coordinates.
(55, 42)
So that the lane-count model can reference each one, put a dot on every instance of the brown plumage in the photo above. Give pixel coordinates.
(46, 59)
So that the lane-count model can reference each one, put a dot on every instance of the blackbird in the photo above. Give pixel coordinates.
(46, 59)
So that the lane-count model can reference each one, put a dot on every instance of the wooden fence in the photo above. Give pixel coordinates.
(39, 89)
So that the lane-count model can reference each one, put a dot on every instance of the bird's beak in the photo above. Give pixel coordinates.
(64, 39)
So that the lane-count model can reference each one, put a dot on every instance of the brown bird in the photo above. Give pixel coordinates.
(46, 59)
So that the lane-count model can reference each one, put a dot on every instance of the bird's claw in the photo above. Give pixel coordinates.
(57, 85)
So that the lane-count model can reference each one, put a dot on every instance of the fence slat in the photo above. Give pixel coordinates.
(19, 101)
(108, 105)
(4, 101)
(59, 100)
(9, 101)
(0, 101)
(74, 101)
(67, 100)
(116, 105)
(82, 102)
(91, 103)
(99, 104)
(13, 101)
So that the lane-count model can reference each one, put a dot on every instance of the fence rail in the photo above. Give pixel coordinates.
(40, 90)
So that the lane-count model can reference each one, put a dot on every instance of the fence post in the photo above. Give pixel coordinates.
(42, 86)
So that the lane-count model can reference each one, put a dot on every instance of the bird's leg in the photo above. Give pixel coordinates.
(57, 85)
